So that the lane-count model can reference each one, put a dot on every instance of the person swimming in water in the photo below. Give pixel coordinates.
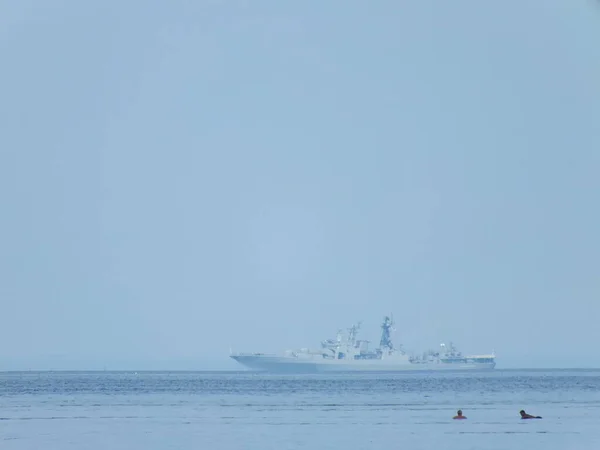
(524, 415)
(459, 415)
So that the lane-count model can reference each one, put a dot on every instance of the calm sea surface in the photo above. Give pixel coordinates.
(259, 412)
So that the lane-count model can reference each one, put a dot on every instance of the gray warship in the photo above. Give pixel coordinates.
(353, 355)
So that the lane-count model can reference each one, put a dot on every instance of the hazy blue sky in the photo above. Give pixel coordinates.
(180, 177)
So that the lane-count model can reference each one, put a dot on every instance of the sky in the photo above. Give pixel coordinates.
(182, 178)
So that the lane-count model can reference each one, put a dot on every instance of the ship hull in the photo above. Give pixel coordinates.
(283, 364)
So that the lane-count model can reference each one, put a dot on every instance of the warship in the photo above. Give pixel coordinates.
(352, 354)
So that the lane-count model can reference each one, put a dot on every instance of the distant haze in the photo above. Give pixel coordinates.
(181, 178)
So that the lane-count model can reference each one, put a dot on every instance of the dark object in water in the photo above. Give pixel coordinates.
(524, 415)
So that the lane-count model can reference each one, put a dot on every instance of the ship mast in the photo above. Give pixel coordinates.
(386, 328)
(352, 333)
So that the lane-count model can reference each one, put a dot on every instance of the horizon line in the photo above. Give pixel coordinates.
(508, 369)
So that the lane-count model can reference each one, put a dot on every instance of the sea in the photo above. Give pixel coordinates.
(252, 411)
